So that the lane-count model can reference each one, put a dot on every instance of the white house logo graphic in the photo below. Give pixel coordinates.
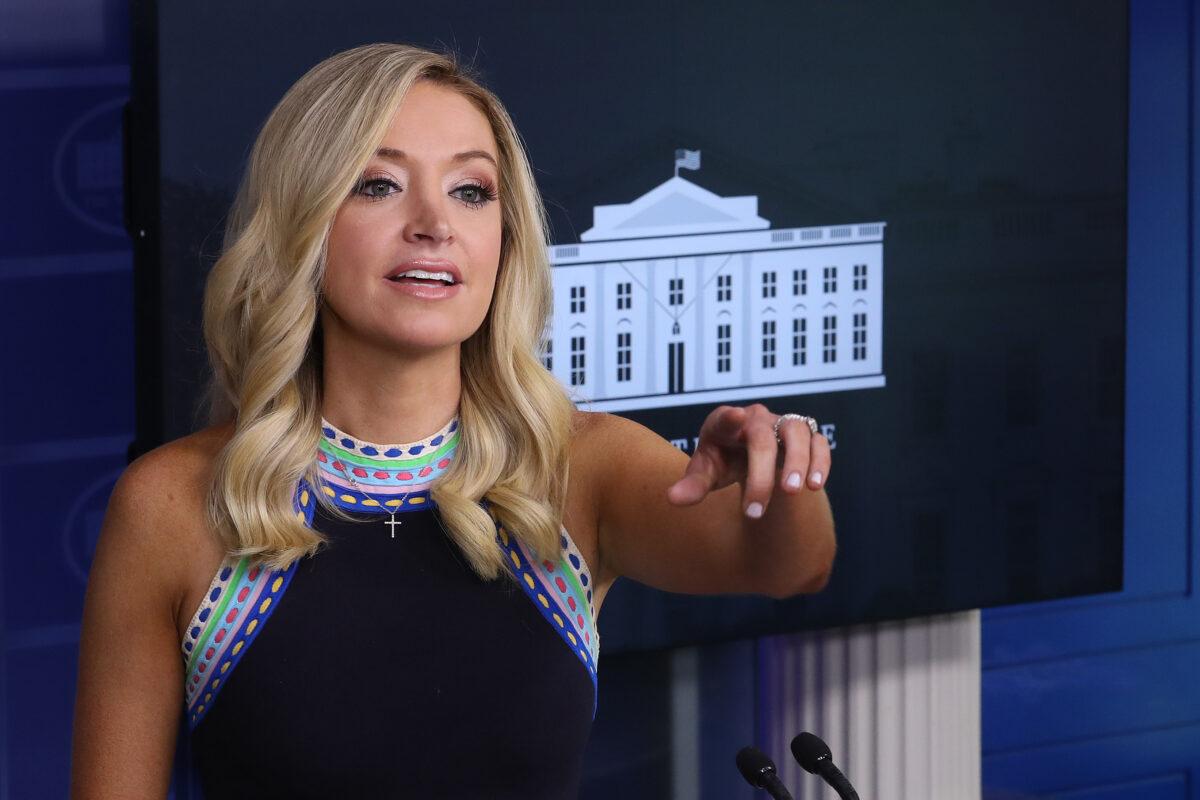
(684, 297)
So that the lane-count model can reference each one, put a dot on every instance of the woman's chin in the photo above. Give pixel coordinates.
(428, 342)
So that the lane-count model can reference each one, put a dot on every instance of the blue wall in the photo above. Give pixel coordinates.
(1100, 697)
(1090, 698)
(66, 357)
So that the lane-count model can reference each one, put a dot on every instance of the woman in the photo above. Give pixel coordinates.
(414, 618)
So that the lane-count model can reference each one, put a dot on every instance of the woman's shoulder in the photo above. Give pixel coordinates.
(174, 472)
(600, 441)
(589, 431)
(156, 513)
(597, 436)
(590, 427)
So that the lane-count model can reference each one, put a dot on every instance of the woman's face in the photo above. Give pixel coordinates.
(426, 210)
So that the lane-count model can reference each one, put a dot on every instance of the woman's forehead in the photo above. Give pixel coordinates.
(435, 123)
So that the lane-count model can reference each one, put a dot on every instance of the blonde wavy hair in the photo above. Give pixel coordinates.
(261, 304)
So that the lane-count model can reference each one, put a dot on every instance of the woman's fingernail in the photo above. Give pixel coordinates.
(754, 510)
(793, 480)
(816, 478)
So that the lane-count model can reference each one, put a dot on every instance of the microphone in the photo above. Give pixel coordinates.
(813, 754)
(759, 772)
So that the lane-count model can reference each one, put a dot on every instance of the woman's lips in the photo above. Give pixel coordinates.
(429, 265)
(425, 290)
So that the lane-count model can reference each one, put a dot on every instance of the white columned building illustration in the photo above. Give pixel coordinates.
(684, 297)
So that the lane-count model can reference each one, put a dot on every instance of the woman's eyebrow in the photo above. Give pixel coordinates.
(392, 154)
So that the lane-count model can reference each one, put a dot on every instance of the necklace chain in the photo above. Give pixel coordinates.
(391, 512)
(391, 523)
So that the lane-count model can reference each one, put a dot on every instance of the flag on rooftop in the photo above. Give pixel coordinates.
(687, 159)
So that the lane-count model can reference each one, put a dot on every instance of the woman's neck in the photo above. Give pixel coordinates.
(383, 397)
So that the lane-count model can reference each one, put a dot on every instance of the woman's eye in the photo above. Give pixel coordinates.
(475, 195)
(376, 188)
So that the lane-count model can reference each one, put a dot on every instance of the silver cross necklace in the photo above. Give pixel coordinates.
(392, 522)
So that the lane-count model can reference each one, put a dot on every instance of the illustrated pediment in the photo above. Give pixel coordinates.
(675, 207)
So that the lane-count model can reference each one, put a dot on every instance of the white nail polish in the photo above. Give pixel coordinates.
(754, 510)
(793, 480)
(816, 478)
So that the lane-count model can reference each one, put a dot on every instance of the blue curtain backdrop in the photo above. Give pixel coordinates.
(1090, 698)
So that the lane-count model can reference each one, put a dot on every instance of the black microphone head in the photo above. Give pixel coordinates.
(810, 752)
(754, 764)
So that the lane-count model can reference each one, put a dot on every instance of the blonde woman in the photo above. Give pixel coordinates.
(377, 573)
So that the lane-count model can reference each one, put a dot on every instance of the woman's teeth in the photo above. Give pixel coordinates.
(422, 275)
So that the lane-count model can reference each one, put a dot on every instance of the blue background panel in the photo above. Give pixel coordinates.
(68, 354)
(51, 512)
(1151, 763)
(63, 165)
(66, 301)
(1097, 697)
(1100, 694)
(39, 698)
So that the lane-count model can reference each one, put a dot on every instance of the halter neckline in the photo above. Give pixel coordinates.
(372, 449)
(383, 471)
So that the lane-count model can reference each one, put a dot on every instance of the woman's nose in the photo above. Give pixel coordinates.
(427, 214)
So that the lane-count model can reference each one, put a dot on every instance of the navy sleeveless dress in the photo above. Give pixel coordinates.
(383, 666)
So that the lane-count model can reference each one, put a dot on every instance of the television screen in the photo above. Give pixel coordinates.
(906, 221)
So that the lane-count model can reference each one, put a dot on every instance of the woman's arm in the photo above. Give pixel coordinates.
(681, 525)
(129, 696)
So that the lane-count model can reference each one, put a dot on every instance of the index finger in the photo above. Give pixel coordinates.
(698, 479)
(724, 424)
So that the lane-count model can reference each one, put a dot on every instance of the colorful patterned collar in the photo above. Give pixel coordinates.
(384, 472)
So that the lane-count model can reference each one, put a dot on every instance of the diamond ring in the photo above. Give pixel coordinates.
(812, 423)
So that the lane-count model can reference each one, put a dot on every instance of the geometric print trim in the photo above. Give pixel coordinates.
(373, 501)
(378, 471)
(556, 591)
(381, 467)
(240, 599)
(570, 583)
(239, 612)
(388, 451)
(391, 500)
